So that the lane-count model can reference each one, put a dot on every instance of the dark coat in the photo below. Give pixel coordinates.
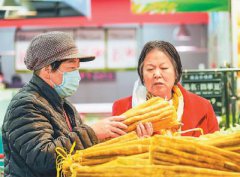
(34, 125)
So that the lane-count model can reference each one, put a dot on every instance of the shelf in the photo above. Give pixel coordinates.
(201, 81)
(212, 96)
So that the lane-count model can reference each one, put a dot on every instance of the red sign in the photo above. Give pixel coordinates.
(98, 76)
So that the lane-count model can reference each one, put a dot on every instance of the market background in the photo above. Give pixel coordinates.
(205, 33)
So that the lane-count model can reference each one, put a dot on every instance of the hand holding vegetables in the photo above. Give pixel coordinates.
(156, 110)
(110, 127)
(144, 129)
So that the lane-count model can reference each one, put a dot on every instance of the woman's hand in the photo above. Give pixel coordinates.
(109, 127)
(144, 130)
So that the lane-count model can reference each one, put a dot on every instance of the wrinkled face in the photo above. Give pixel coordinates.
(158, 74)
(66, 66)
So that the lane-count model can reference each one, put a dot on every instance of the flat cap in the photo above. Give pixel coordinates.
(49, 47)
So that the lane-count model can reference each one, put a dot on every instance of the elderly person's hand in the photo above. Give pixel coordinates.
(144, 130)
(110, 127)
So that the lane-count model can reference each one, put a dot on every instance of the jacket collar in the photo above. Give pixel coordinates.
(46, 91)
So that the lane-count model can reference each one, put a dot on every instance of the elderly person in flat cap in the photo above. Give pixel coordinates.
(39, 118)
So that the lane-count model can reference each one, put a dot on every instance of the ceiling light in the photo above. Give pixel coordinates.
(9, 5)
(181, 33)
(17, 9)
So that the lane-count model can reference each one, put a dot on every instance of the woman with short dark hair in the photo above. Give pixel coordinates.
(160, 70)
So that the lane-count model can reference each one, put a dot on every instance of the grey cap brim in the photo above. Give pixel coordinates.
(87, 58)
(82, 58)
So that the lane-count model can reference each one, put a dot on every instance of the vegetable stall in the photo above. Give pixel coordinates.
(162, 155)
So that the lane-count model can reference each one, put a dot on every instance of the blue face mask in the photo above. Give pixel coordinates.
(69, 84)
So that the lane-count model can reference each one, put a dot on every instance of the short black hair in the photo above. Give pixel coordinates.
(55, 65)
(166, 48)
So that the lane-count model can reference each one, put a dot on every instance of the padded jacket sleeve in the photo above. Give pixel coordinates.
(31, 134)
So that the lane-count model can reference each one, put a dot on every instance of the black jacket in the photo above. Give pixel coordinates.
(34, 125)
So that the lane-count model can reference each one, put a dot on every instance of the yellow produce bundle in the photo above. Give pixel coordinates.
(126, 169)
(126, 145)
(223, 140)
(156, 110)
(180, 151)
(157, 156)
